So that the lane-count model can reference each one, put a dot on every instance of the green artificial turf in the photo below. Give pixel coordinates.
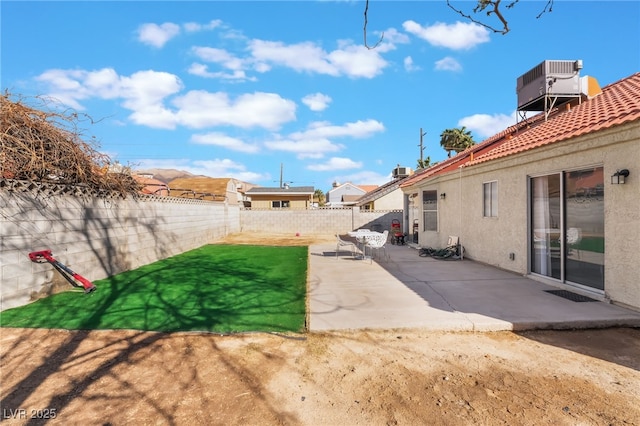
(217, 288)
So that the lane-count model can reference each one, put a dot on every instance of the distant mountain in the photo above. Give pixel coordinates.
(165, 175)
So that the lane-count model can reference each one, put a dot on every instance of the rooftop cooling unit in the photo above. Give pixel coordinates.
(401, 172)
(550, 83)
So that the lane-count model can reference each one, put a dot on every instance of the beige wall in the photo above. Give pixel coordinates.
(298, 202)
(491, 240)
(315, 221)
(390, 201)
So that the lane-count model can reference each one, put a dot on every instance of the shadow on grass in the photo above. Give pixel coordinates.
(220, 289)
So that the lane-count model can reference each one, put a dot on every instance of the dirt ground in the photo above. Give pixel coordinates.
(390, 377)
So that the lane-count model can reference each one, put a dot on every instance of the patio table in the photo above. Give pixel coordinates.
(361, 237)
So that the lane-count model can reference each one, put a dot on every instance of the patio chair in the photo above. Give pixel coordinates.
(377, 243)
(344, 243)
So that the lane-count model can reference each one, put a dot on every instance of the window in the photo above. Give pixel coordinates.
(280, 204)
(490, 199)
(430, 210)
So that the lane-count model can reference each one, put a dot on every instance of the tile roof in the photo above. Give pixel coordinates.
(350, 198)
(151, 185)
(381, 191)
(367, 188)
(618, 103)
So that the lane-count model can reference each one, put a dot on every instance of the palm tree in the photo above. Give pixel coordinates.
(457, 139)
(319, 195)
(424, 163)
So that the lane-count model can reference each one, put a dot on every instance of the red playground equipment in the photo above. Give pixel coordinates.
(397, 236)
(45, 256)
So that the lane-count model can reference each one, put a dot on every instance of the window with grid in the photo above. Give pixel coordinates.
(430, 210)
(490, 199)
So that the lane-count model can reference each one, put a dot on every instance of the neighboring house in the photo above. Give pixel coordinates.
(208, 188)
(385, 197)
(287, 197)
(388, 196)
(151, 186)
(346, 194)
(543, 198)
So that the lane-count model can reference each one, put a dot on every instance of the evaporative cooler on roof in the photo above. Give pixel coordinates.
(549, 84)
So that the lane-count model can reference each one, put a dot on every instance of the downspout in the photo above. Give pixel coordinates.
(461, 198)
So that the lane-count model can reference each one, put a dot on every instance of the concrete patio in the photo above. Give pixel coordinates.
(410, 291)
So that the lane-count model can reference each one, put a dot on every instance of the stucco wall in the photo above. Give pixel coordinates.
(491, 240)
(390, 201)
(98, 237)
(296, 202)
(315, 222)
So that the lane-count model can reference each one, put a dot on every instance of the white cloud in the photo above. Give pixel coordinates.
(409, 66)
(65, 86)
(299, 57)
(212, 168)
(195, 27)
(222, 140)
(237, 66)
(226, 168)
(458, 36)
(315, 142)
(448, 64)
(202, 70)
(352, 60)
(364, 177)
(357, 61)
(358, 129)
(317, 101)
(304, 148)
(335, 163)
(219, 56)
(485, 125)
(349, 59)
(157, 35)
(393, 37)
(145, 94)
(199, 109)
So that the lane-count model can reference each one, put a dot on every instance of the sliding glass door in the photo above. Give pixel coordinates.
(545, 226)
(567, 226)
(584, 224)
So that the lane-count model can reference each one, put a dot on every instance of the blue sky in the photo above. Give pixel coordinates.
(237, 88)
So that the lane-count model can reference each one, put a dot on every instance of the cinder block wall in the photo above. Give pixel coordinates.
(316, 222)
(97, 237)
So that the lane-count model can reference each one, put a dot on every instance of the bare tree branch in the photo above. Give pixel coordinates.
(366, 10)
(481, 6)
(494, 9)
(549, 5)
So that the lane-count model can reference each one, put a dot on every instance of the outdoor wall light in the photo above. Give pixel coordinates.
(443, 195)
(619, 176)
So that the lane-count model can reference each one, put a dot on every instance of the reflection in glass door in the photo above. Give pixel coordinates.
(545, 226)
(567, 226)
(584, 212)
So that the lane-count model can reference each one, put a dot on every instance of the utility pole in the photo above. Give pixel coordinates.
(421, 147)
(280, 175)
